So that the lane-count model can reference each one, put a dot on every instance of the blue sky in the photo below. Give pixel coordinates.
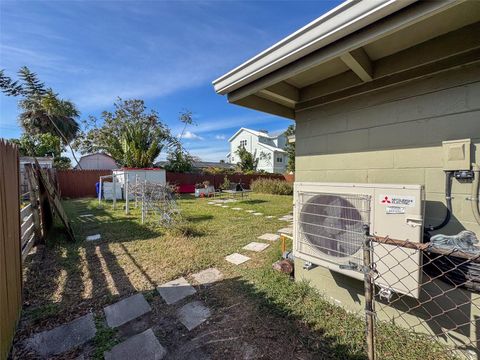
(165, 52)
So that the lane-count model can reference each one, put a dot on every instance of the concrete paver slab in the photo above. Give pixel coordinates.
(175, 290)
(250, 211)
(63, 338)
(126, 310)
(237, 258)
(258, 214)
(193, 314)
(256, 246)
(208, 276)
(236, 208)
(144, 346)
(287, 230)
(94, 237)
(269, 237)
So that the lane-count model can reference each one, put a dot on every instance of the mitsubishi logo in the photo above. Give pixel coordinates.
(386, 200)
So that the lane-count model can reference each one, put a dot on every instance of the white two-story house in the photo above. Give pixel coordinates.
(268, 149)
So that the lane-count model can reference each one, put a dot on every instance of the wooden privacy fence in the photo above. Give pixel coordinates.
(81, 183)
(10, 247)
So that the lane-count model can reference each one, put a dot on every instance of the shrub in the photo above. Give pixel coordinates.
(226, 184)
(272, 186)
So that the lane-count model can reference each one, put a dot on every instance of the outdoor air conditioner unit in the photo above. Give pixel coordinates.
(329, 229)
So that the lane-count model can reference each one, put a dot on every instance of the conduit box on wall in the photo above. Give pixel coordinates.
(456, 154)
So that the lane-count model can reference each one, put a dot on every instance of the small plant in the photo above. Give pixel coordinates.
(272, 186)
(226, 184)
(104, 338)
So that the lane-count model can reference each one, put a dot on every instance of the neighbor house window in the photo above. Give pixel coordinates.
(243, 143)
(279, 159)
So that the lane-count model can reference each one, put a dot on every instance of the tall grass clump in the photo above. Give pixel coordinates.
(272, 186)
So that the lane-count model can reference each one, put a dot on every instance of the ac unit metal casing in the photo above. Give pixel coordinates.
(328, 229)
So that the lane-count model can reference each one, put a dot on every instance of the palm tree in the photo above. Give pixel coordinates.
(42, 110)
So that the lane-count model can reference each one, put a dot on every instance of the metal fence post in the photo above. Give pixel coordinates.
(368, 285)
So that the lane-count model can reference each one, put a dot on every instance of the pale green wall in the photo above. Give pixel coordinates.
(392, 136)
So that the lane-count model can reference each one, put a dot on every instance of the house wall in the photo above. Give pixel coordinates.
(267, 164)
(394, 135)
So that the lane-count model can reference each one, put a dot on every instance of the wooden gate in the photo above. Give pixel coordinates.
(10, 246)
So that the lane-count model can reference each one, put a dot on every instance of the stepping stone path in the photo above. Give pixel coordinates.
(126, 310)
(237, 258)
(236, 209)
(142, 346)
(269, 237)
(85, 215)
(257, 214)
(225, 206)
(63, 338)
(193, 314)
(286, 218)
(208, 276)
(287, 230)
(256, 246)
(250, 211)
(269, 217)
(94, 237)
(175, 290)
(211, 203)
(218, 204)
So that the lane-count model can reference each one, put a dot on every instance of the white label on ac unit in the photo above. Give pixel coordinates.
(402, 200)
(395, 209)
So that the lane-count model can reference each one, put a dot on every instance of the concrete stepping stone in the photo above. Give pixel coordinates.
(85, 215)
(218, 205)
(256, 246)
(210, 203)
(175, 290)
(236, 209)
(269, 217)
(250, 211)
(225, 206)
(287, 230)
(237, 258)
(142, 346)
(208, 276)
(193, 314)
(126, 310)
(258, 214)
(63, 338)
(93, 237)
(269, 237)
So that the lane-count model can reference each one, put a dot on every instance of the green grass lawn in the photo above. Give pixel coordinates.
(257, 312)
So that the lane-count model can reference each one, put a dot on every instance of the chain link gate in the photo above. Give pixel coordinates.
(447, 309)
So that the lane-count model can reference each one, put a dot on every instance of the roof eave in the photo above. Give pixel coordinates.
(341, 21)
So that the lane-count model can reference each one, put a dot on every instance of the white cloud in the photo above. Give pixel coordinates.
(190, 135)
(220, 137)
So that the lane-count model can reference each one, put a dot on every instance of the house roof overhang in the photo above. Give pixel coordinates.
(359, 46)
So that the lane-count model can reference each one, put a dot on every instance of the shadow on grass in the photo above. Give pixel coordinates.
(199, 218)
(253, 201)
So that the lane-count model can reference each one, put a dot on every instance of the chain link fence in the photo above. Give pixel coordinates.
(430, 290)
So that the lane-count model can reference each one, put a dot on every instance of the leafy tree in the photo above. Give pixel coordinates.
(42, 110)
(179, 160)
(290, 149)
(40, 145)
(131, 134)
(247, 162)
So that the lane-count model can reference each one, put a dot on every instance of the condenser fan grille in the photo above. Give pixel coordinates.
(332, 224)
